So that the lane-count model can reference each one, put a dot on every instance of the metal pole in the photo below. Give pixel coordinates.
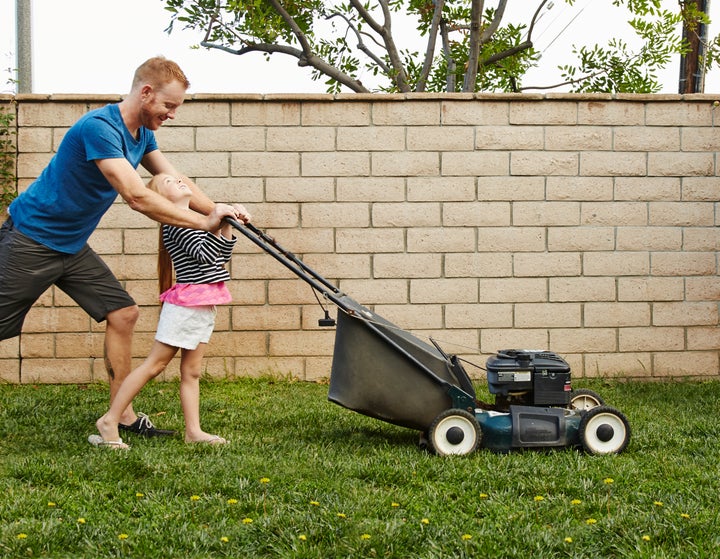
(23, 18)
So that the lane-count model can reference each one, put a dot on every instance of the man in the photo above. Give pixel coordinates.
(44, 239)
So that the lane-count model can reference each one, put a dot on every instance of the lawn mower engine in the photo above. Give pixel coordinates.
(528, 378)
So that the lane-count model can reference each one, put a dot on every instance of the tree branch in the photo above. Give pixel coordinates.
(430, 50)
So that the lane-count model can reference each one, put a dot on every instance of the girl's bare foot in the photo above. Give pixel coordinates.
(205, 438)
(108, 430)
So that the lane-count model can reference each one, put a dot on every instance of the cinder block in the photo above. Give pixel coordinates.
(476, 214)
(481, 315)
(345, 214)
(510, 290)
(579, 188)
(548, 213)
(548, 315)
(566, 289)
(259, 164)
(650, 289)
(642, 339)
(681, 365)
(373, 138)
(476, 112)
(583, 340)
(443, 138)
(224, 138)
(574, 138)
(370, 241)
(646, 138)
(509, 138)
(546, 264)
(338, 113)
(479, 163)
(616, 264)
(493, 340)
(614, 213)
(611, 314)
(649, 238)
(544, 163)
(371, 189)
(618, 365)
(547, 113)
(611, 113)
(405, 265)
(682, 214)
(443, 290)
(680, 164)
(682, 313)
(478, 265)
(56, 371)
(511, 188)
(370, 292)
(323, 164)
(683, 264)
(574, 239)
(613, 163)
(439, 239)
(521, 239)
(301, 139)
(264, 113)
(414, 316)
(700, 189)
(412, 113)
(49, 114)
(399, 163)
(203, 113)
(646, 189)
(293, 344)
(705, 288)
(703, 338)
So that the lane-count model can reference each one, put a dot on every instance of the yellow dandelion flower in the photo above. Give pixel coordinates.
(590, 521)
(575, 502)
(684, 515)
(315, 503)
(658, 503)
(539, 498)
(365, 537)
(224, 539)
(424, 521)
(264, 480)
(21, 536)
(466, 537)
(139, 495)
(232, 501)
(302, 537)
(483, 495)
(123, 536)
(81, 520)
(646, 538)
(51, 504)
(194, 497)
(247, 520)
(568, 540)
(394, 505)
(608, 481)
(342, 515)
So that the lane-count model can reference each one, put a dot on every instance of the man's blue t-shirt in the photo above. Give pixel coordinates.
(63, 206)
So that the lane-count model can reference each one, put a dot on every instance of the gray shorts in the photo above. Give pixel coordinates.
(28, 269)
(185, 327)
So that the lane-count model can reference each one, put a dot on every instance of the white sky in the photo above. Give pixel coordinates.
(94, 46)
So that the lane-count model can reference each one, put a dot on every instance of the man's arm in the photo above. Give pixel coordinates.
(131, 187)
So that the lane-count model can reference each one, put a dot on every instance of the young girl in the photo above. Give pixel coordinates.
(187, 317)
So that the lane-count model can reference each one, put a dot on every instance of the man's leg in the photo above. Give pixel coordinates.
(118, 352)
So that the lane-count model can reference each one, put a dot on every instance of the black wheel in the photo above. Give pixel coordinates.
(583, 399)
(455, 431)
(604, 430)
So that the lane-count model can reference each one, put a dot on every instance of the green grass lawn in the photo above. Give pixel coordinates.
(303, 477)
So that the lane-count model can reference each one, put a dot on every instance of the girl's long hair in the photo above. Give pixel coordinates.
(164, 262)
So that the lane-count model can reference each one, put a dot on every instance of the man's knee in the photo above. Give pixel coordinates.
(123, 319)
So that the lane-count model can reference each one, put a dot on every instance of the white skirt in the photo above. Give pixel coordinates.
(185, 327)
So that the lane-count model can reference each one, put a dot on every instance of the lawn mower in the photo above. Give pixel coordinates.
(384, 372)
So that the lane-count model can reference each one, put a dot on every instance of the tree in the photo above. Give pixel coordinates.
(466, 45)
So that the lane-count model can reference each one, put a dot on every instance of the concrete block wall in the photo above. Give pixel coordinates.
(584, 224)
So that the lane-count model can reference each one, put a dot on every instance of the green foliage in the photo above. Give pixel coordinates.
(305, 478)
(342, 41)
(8, 187)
